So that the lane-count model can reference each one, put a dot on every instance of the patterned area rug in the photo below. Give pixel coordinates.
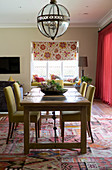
(98, 156)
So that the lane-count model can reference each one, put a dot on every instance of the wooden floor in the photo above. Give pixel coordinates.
(101, 108)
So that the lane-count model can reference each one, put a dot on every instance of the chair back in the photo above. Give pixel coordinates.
(90, 96)
(60, 82)
(17, 95)
(83, 88)
(10, 100)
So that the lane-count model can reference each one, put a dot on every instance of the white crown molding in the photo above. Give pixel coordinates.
(106, 19)
(83, 25)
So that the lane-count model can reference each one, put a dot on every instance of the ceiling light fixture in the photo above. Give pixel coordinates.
(53, 20)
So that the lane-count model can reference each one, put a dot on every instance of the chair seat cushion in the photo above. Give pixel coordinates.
(35, 83)
(66, 83)
(70, 116)
(70, 112)
(19, 116)
(34, 116)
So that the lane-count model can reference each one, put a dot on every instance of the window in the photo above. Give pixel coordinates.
(39, 68)
(64, 69)
(54, 67)
(58, 58)
(70, 69)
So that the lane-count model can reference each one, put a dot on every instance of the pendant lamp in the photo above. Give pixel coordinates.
(53, 20)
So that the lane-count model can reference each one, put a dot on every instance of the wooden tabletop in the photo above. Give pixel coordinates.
(35, 96)
(71, 98)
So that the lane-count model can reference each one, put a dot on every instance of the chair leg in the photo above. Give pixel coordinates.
(10, 125)
(61, 122)
(88, 130)
(40, 122)
(36, 131)
(89, 127)
(12, 130)
(47, 113)
(39, 128)
(62, 130)
(16, 126)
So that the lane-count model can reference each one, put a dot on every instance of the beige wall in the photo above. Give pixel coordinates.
(17, 41)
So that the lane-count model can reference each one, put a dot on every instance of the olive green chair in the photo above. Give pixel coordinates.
(83, 88)
(71, 116)
(61, 83)
(17, 116)
(17, 93)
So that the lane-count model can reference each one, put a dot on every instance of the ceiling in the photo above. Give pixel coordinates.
(23, 13)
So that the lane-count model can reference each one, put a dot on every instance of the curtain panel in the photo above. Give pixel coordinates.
(104, 65)
(55, 50)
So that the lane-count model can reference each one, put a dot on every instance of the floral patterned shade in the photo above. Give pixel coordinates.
(55, 50)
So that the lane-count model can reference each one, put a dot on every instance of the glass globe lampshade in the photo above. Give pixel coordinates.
(53, 20)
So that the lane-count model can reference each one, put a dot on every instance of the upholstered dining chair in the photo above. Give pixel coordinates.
(83, 88)
(71, 116)
(60, 82)
(17, 116)
(17, 93)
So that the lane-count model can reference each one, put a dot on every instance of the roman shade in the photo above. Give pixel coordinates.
(55, 50)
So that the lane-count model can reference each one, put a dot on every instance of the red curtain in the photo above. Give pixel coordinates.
(104, 65)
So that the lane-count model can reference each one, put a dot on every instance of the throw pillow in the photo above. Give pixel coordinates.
(40, 79)
(57, 77)
(70, 80)
(53, 77)
(75, 79)
(34, 77)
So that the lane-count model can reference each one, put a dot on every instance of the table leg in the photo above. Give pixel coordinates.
(55, 128)
(26, 131)
(83, 129)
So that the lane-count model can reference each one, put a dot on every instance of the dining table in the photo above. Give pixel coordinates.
(71, 100)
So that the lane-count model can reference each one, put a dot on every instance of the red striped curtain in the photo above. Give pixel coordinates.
(104, 65)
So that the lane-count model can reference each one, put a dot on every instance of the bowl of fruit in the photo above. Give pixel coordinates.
(52, 88)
